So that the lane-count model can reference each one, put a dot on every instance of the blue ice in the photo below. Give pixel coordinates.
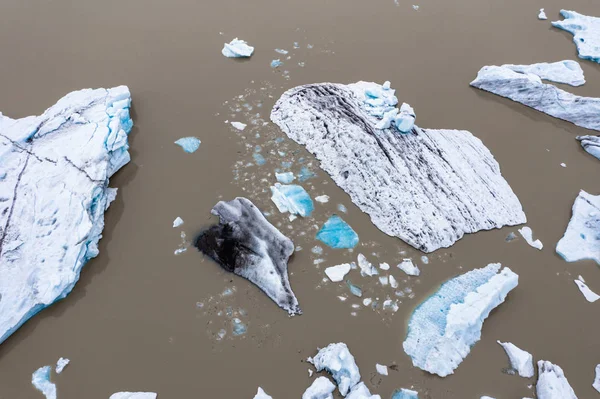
(354, 289)
(285, 178)
(238, 327)
(189, 144)
(276, 63)
(292, 198)
(405, 394)
(258, 159)
(585, 33)
(336, 233)
(41, 381)
(305, 174)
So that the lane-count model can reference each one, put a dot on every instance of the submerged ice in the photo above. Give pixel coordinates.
(591, 144)
(552, 383)
(237, 49)
(246, 244)
(567, 71)
(582, 238)
(585, 31)
(442, 330)
(336, 233)
(337, 360)
(292, 198)
(55, 171)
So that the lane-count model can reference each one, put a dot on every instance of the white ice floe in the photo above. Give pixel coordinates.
(520, 360)
(337, 273)
(442, 330)
(589, 295)
(339, 362)
(54, 177)
(585, 31)
(177, 222)
(428, 187)
(393, 282)
(321, 388)
(237, 49)
(360, 391)
(41, 381)
(61, 364)
(527, 234)
(552, 383)
(567, 71)
(384, 266)
(238, 125)
(404, 393)
(381, 369)
(529, 90)
(292, 198)
(285, 178)
(133, 395)
(596, 383)
(366, 267)
(323, 199)
(262, 394)
(408, 267)
(591, 144)
(542, 14)
(582, 237)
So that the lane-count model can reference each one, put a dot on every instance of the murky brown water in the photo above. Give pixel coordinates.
(133, 323)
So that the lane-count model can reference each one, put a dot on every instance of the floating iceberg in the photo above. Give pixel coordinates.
(239, 125)
(585, 31)
(529, 90)
(41, 381)
(285, 178)
(596, 383)
(589, 295)
(582, 238)
(323, 199)
(189, 144)
(360, 391)
(408, 267)
(336, 233)
(568, 72)
(542, 14)
(428, 188)
(246, 244)
(177, 222)
(237, 49)
(405, 394)
(527, 234)
(337, 360)
(293, 199)
(321, 388)
(61, 364)
(261, 394)
(591, 144)
(133, 395)
(366, 267)
(552, 383)
(55, 171)
(337, 273)
(520, 360)
(442, 330)
(381, 369)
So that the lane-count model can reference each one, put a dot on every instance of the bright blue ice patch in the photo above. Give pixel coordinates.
(293, 199)
(354, 289)
(405, 394)
(276, 63)
(336, 233)
(189, 144)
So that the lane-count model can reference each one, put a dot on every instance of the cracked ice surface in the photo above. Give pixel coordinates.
(339, 362)
(133, 395)
(360, 391)
(585, 31)
(427, 187)
(567, 71)
(529, 90)
(442, 330)
(552, 383)
(520, 360)
(53, 195)
(582, 238)
(591, 144)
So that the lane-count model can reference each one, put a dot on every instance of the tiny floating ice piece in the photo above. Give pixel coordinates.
(596, 383)
(41, 381)
(552, 383)
(61, 364)
(337, 273)
(276, 63)
(337, 360)
(245, 243)
(285, 178)
(336, 233)
(567, 71)
(321, 388)
(442, 330)
(405, 394)
(262, 394)
(133, 395)
(586, 33)
(591, 144)
(237, 49)
(293, 199)
(381, 369)
(238, 125)
(408, 267)
(177, 222)
(189, 144)
(323, 199)
(527, 234)
(581, 240)
(589, 295)
(520, 360)
(542, 14)
(366, 267)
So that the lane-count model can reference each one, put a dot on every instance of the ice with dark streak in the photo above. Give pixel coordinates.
(427, 187)
(591, 144)
(246, 244)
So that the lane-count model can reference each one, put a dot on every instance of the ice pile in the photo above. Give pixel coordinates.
(527, 234)
(260, 394)
(585, 31)
(246, 244)
(567, 71)
(54, 176)
(520, 360)
(589, 295)
(133, 395)
(237, 49)
(404, 393)
(41, 381)
(321, 388)
(189, 144)
(337, 360)
(591, 144)
(552, 383)
(582, 238)
(528, 89)
(336, 233)
(442, 330)
(408, 267)
(428, 188)
(285, 178)
(292, 198)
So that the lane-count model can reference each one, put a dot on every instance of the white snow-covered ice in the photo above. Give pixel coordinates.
(261, 394)
(589, 295)
(520, 360)
(542, 14)
(337, 360)
(177, 222)
(381, 369)
(360, 391)
(61, 364)
(323, 199)
(552, 383)
(527, 234)
(591, 144)
(366, 267)
(337, 273)
(238, 125)
(567, 71)
(582, 237)
(585, 31)
(596, 383)
(237, 49)
(408, 267)
(321, 388)
(133, 395)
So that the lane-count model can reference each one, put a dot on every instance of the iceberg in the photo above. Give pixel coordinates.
(261, 394)
(527, 234)
(336, 233)
(366, 267)
(408, 267)
(552, 383)
(337, 360)
(585, 31)
(133, 395)
(381, 369)
(237, 49)
(177, 222)
(293, 199)
(529, 90)
(428, 187)
(582, 238)
(589, 295)
(54, 190)
(542, 14)
(189, 144)
(285, 178)
(520, 360)
(596, 383)
(567, 71)
(41, 381)
(61, 364)
(321, 388)
(360, 391)
(442, 329)
(591, 144)
(337, 273)
(246, 244)
(405, 394)
(405, 120)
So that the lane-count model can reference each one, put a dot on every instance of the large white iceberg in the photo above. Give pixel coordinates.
(552, 383)
(586, 33)
(442, 330)
(321, 388)
(528, 89)
(567, 71)
(582, 238)
(591, 144)
(588, 294)
(520, 360)
(339, 362)
(54, 172)
(427, 187)
(133, 395)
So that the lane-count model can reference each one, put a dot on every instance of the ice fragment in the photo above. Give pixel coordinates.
(586, 33)
(527, 234)
(589, 295)
(336, 233)
(133, 395)
(292, 198)
(542, 14)
(405, 394)
(322, 199)
(285, 178)
(408, 267)
(337, 360)
(41, 381)
(177, 222)
(520, 360)
(61, 364)
(552, 383)
(189, 144)
(262, 394)
(237, 49)
(366, 267)
(321, 388)
(582, 237)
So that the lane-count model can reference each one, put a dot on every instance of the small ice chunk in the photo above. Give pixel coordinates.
(408, 267)
(367, 301)
(281, 51)
(527, 234)
(415, 7)
(41, 381)
(310, 373)
(580, 241)
(237, 49)
(259, 159)
(383, 280)
(133, 395)
(405, 394)
(386, 85)
(393, 282)
(388, 304)
(317, 250)
(567, 71)
(591, 144)
(360, 391)
(189, 144)
(321, 388)
(323, 199)
(585, 31)
(354, 289)
(552, 383)
(336, 233)
(589, 295)
(305, 174)
(238, 328)
(405, 120)
(520, 360)
(337, 273)
(285, 178)
(276, 63)
(177, 222)
(343, 209)
(292, 198)
(542, 14)
(381, 369)
(337, 360)
(564, 165)
(384, 266)
(262, 394)
(366, 267)
(596, 383)
(61, 364)
(425, 260)
(238, 125)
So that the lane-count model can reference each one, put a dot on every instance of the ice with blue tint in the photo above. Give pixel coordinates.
(337, 360)
(321, 388)
(405, 120)
(442, 329)
(336, 233)
(237, 49)
(189, 144)
(292, 198)
(41, 381)
(360, 391)
(259, 159)
(276, 63)
(285, 178)
(354, 289)
(404, 393)
(305, 174)
(238, 327)
(585, 31)
(260, 394)
(582, 238)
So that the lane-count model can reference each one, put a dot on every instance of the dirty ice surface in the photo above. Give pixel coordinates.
(337, 273)
(336, 233)
(245, 243)
(408, 267)
(589, 295)
(529, 90)
(404, 393)
(582, 238)
(133, 395)
(527, 234)
(520, 360)
(567, 71)
(54, 191)
(41, 381)
(442, 330)
(596, 383)
(542, 14)
(552, 383)
(458, 188)
(177, 222)
(292, 198)
(285, 178)
(260, 394)
(189, 144)
(337, 360)
(321, 388)
(591, 144)
(61, 364)
(585, 31)
(237, 49)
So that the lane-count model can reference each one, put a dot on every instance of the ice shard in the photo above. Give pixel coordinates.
(567, 71)
(321, 388)
(237, 49)
(552, 383)
(189, 144)
(337, 360)
(427, 187)
(591, 144)
(585, 31)
(336, 233)
(246, 244)
(582, 238)
(520, 360)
